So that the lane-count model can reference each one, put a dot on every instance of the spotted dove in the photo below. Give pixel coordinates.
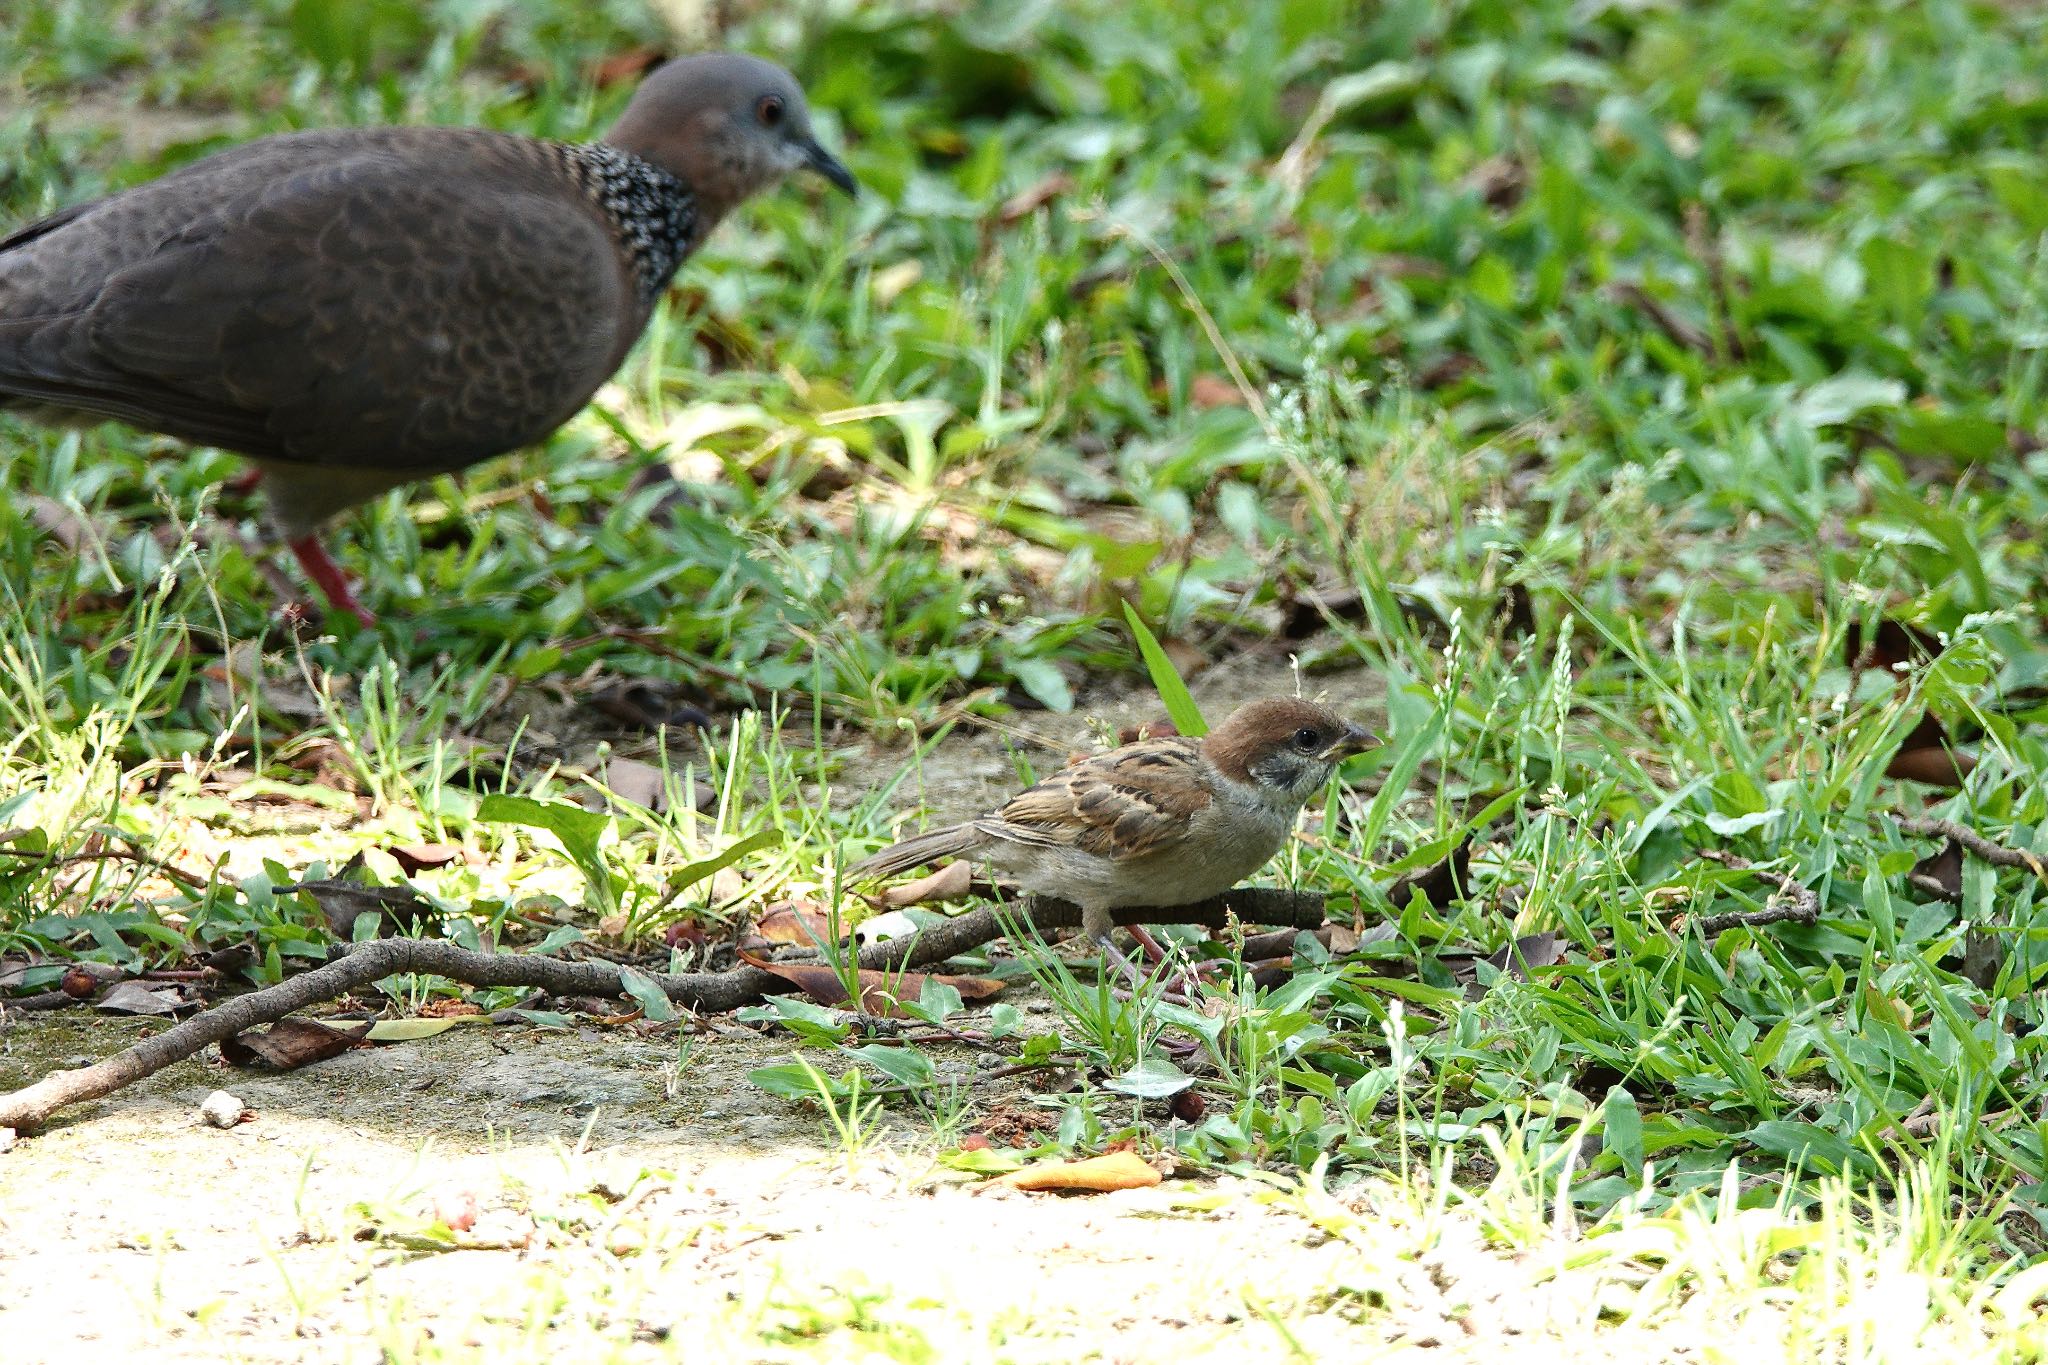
(355, 309)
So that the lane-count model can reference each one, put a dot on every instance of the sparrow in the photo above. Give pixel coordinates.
(1159, 822)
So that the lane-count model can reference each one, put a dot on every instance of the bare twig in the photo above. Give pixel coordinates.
(1802, 907)
(1997, 854)
(1682, 332)
(360, 964)
(1700, 240)
(42, 1000)
(113, 855)
(1925, 1119)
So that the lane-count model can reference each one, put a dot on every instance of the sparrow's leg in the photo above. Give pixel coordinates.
(1153, 952)
(1186, 982)
(1096, 923)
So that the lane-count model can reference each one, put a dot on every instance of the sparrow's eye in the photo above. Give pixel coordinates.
(769, 110)
(1308, 739)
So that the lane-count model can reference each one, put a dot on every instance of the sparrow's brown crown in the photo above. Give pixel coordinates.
(1284, 743)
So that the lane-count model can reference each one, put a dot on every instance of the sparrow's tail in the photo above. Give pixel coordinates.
(916, 852)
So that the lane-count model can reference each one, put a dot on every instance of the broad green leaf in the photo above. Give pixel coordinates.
(1166, 679)
(1624, 1134)
(981, 1160)
(578, 830)
(558, 937)
(1814, 1149)
(904, 1065)
(408, 1030)
(1740, 824)
(795, 1081)
(937, 1002)
(1152, 1079)
(811, 1023)
(653, 1001)
(1044, 681)
(690, 874)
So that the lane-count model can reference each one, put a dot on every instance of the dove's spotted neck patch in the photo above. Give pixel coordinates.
(656, 213)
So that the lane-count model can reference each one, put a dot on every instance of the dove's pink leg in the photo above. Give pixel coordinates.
(328, 577)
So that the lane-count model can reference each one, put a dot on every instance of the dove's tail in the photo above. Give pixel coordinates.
(917, 851)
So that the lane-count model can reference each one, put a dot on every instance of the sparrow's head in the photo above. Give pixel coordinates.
(725, 124)
(1284, 746)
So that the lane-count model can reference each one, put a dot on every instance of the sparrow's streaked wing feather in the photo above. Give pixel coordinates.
(1129, 803)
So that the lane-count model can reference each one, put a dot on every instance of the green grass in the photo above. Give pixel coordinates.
(1610, 373)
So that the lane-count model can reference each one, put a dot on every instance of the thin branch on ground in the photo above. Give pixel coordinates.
(56, 861)
(1802, 903)
(29, 1108)
(1997, 854)
(42, 1000)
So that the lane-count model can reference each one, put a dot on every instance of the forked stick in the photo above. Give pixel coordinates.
(29, 1108)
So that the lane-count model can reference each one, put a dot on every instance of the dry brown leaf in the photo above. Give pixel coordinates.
(1498, 180)
(1446, 370)
(642, 784)
(1031, 199)
(1207, 390)
(798, 922)
(1012, 1123)
(640, 704)
(344, 902)
(1941, 874)
(1927, 755)
(1124, 1170)
(56, 520)
(948, 883)
(1530, 950)
(1526, 952)
(1311, 608)
(413, 859)
(1160, 728)
(630, 64)
(1439, 884)
(1893, 643)
(132, 997)
(288, 1044)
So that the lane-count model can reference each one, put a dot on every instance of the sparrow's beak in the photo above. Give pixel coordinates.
(1354, 740)
(829, 166)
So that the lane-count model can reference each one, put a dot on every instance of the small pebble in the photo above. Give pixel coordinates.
(222, 1110)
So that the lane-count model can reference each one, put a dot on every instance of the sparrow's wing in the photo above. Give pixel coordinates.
(1127, 803)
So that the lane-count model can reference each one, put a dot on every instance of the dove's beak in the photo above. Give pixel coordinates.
(829, 166)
